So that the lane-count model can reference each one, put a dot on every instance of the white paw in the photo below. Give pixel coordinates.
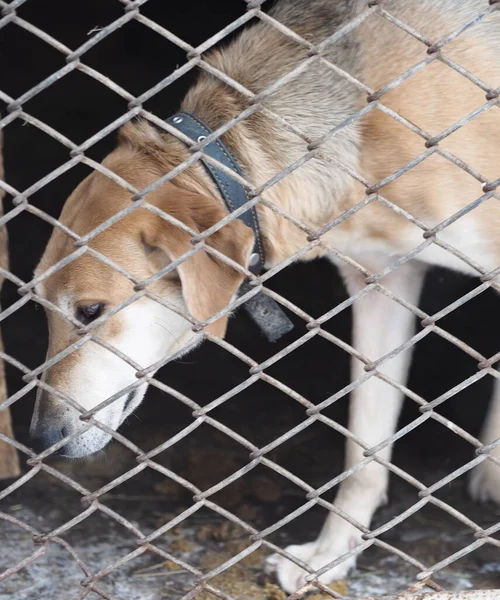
(291, 577)
(484, 483)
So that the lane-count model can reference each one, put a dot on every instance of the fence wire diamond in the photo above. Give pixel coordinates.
(203, 416)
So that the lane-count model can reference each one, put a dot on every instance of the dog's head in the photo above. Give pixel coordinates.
(145, 331)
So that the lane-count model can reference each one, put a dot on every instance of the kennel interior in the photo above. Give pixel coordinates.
(205, 536)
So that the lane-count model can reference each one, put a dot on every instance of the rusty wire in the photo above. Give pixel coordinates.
(92, 501)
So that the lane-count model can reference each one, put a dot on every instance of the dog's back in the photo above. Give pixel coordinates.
(432, 98)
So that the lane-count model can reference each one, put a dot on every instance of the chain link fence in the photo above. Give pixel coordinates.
(94, 502)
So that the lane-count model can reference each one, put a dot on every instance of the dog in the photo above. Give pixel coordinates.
(354, 160)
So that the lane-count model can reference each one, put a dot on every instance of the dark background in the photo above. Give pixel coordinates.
(78, 106)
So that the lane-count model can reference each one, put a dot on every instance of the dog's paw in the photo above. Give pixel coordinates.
(291, 577)
(484, 483)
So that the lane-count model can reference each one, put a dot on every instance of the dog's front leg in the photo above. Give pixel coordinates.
(380, 326)
(484, 483)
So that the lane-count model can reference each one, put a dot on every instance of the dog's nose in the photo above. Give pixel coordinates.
(44, 437)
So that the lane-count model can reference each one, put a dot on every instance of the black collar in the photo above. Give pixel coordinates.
(233, 193)
(262, 309)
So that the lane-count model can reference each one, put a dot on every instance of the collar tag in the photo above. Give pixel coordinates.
(267, 314)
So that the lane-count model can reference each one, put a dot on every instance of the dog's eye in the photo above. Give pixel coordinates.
(89, 313)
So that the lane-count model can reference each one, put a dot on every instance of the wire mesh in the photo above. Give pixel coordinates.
(93, 501)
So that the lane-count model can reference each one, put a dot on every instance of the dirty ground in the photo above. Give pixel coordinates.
(206, 539)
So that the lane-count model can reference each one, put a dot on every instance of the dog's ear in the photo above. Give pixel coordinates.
(208, 284)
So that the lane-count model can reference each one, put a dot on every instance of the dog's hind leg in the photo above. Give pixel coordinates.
(484, 483)
(381, 325)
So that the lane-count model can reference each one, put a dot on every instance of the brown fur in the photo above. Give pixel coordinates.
(208, 283)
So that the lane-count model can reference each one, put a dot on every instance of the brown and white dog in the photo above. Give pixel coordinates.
(317, 100)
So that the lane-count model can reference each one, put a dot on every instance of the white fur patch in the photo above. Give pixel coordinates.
(149, 334)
